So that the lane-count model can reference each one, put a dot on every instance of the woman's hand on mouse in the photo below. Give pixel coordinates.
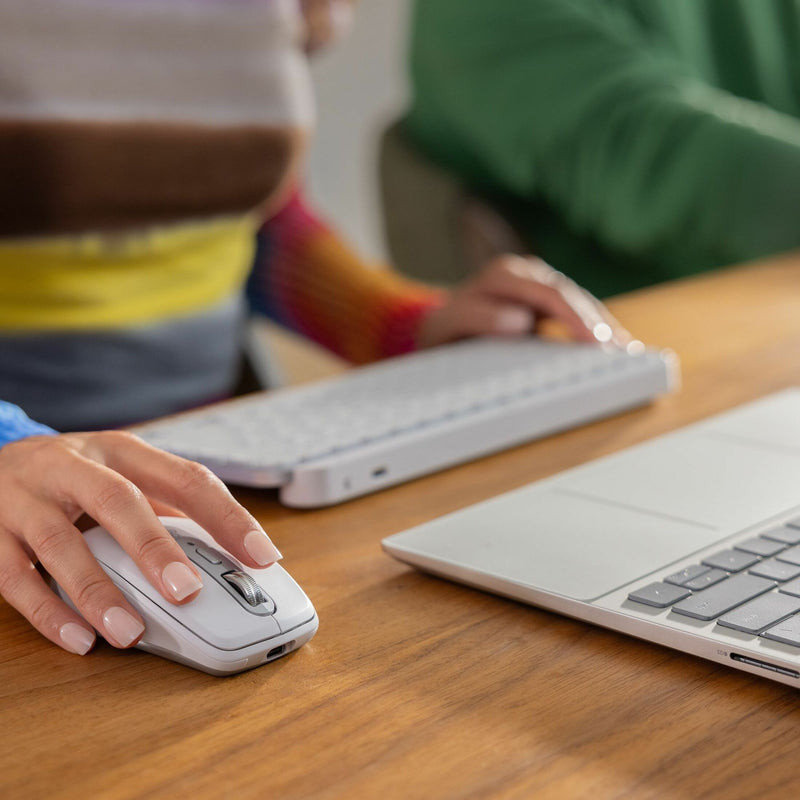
(511, 296)
(48, 482)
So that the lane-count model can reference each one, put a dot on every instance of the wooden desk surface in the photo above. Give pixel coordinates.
(417, 688)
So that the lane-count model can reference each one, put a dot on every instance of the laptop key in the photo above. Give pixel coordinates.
(721, 598)
(760, 546)
(793, 587)
(706, 579)
(787, 632)
(659, 595)
(687, 574)
(761, 613)
(731, 560)
(787, 535)
(775, 570)
(792, 555)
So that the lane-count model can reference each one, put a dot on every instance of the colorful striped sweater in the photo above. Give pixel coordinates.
(142, 146)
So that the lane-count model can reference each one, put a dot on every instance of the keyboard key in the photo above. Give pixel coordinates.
(792, 555)
(761, 613)
(775, 570)
(685, 575)
(707, 579)
(790, 535)
(721, 598)
(794, 523)
(731, 560)
(760, 546)
(787, 632)
(659, 595)
(793, 587)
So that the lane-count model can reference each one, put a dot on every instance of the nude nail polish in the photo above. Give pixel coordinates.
(261, 549)
(180, 580)
(76, 638)
(123, 628)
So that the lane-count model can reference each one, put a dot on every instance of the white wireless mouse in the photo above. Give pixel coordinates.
(242, 617)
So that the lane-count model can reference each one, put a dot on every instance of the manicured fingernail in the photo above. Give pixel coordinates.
(261, 549)
(514, 320)
(76, 638)
(123, 628)
(634, 347)
(602, 332)
(180, 580)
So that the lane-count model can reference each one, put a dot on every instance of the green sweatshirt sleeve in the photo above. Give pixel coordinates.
(577, 103)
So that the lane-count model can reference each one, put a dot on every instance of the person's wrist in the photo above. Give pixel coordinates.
(15, 424)
(430, 323)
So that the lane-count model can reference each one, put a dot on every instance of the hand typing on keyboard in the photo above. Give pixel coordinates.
(512, 295)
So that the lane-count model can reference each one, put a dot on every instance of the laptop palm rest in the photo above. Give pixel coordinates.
(591, 530)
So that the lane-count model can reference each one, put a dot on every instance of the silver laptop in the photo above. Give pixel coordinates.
(691, 540)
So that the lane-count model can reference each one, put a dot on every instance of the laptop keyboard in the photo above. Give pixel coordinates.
(753, 587)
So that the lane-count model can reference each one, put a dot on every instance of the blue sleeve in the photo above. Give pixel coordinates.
(15, 424)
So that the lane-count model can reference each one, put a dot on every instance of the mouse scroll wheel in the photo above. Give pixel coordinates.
(245, 585)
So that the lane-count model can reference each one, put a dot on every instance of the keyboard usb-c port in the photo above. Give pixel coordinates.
(755, 662)
(380, 472)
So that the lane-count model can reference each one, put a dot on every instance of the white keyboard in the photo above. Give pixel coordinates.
(376, 426)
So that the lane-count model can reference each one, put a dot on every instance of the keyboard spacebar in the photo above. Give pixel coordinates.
(716, 600)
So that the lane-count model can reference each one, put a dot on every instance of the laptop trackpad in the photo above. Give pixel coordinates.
(546, 540)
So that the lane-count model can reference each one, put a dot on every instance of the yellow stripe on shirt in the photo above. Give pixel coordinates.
(102, 281)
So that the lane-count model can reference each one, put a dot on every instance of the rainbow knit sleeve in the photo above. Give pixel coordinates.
(307, 279)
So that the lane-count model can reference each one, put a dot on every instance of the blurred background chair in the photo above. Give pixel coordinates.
(436, 229)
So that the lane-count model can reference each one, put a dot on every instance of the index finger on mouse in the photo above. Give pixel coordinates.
(196, 491)
(119, 505)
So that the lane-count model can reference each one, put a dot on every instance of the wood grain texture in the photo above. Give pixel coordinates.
(418, 688)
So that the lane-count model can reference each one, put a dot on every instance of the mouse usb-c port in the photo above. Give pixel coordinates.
(275, 652)
(755, 662)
